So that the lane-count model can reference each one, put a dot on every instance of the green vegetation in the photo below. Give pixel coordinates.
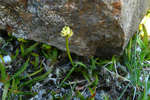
(41, 70)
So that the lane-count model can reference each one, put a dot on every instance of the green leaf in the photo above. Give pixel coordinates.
(123, 91)
(140, 43)
(5, 91)
(22, 50)
(39, 78)
(128, 50)
(55, 53)
(143, 54)
(91, 90)
(80, 95)
(93, 64)
(19, 71)
(145, 42)
(69, 97)
(34, 54)
(31, 48)
(129, 67)
(32, 74)
(1, 57)
(13, 84)
(46, 46)
(22, 93)
(67, 76)
(80, 63)
(104, 62)
(94, 61)
(112, 64)
(92, 94)
(13, 87)
(46, 55)
(85, 75)
(14, 57)
(96, 82)
(35, 63)
(3, 72)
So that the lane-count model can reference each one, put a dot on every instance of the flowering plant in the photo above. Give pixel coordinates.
(67, 32)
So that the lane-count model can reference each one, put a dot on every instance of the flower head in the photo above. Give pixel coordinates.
(66, 31)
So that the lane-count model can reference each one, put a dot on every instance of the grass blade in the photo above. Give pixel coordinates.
(15, 92)
(46, 55)
(5, 91)
(84, 74)
(1, 57)
(55, 53)
(32, 74)
(142, 55)
(17, 52)
(112, 64)
(123, 91)
(69, 97)
(31, 48)
(144, 82)
(80, 63)
(67, 76)
(92, 91)
(140, 43)
(80, 95)
(22, 50)
(39, 78)
(135, 62)
(129, 49)
(19, 71)
(3, 72)
(93, 64)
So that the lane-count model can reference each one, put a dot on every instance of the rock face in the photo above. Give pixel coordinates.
(101, 27)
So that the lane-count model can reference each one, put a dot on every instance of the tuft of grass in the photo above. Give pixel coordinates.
(51, 54)
(25, 52)
(19, 71)
(134, 61)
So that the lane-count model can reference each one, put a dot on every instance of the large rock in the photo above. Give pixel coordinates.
(101, 27)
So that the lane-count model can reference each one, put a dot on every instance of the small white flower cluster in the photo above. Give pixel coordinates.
(7, 59)
(66, 31)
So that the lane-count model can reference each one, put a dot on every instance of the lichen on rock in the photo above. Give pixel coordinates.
(100, 27)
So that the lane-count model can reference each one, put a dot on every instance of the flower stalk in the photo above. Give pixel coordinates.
(67, 32)
(68, 52)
